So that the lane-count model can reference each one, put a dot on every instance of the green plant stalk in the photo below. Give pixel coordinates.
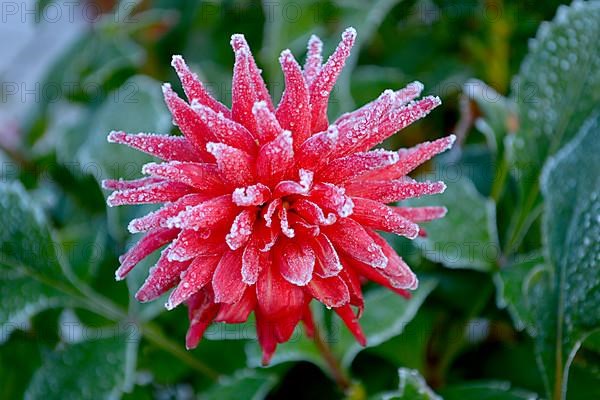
(338, 374)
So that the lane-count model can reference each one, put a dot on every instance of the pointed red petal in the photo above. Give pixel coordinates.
(332, 292)
(267, 126)
(162, 146)
(201, 312)
(328, 262)
(321, 87)
(205, 215)
(241, 229)
(275, 159)
(195, 277)
(352, 281)
(226, 130)
(381, 217)
(188, 121)
(162, 277)
(266, 337)
(151, 242)
(388, 191)
(260, 88)
(276, 296)
(312, 213)
(352, 166)
(314, 59)
(202, 176)
(159, 217)
(293, 111)
(421, 214)
(296, 261)
(227, 281)
(253, 195)
(351, 238)
(253, 261)
(190, 244)
(194, 90)
(155, 193)
(397, 271)
(238, 312)
(315, 152)
(351, 321)
(119, 184)
(235, 165)
(332, 197)
(411, 158)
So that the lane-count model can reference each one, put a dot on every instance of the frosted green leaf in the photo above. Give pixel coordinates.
(565, 304)
(557, 87)
(466, 237)
(88, 370)
(26, 251)
(412, 386)
(386, 316)
(486, 391)
(247, 384)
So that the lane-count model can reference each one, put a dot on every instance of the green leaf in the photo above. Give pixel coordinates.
(466, 237)
(513, 283)
(412, 387)
(26, 250)
(486, 391)
(87, 370)
(386, 315)
(137, 106)
(498, 112)
(247, 384)
(565, 305)
(557, 87)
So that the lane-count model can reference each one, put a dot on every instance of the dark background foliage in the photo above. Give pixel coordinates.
(510, 283)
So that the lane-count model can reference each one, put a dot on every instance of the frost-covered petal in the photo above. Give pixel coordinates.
(165, 147)
(236, 166)
(253, 195)
(241, 229)
(159, 217)
(286, 188)
(276, 296)
(202, 176)
(328, 261)
(311, 212)
(227, 281)
(397, 271)
(351, 238)
(411, 158)
(225, 130)
(162, 277)
(275, 159)
(352, 166)
(296, 261)
(320, 88)
(151, 242)
(120, 184)
(238, 42)
(332, 197)
(194, 89)
(195, 277)
(267, 126)
(253, 261)
(314, 59)
(316, 151)
(378, 216)
(201, 312)
(293, 111)
(421, 214)
(205, 215)
(332, 292)
(188, 121)
(237, 312)
(190, 244)
(151, 194)
(396, 190)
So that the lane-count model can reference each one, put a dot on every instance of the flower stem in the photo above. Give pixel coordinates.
(338, 374)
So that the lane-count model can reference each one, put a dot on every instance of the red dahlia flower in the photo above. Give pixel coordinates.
(269, 207)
